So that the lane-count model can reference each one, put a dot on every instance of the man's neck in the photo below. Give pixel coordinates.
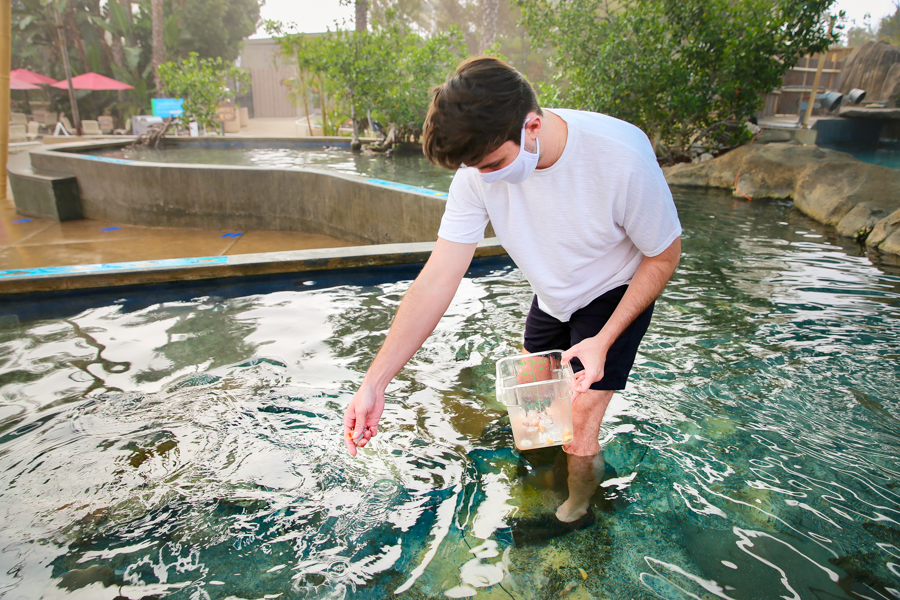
(553, 137)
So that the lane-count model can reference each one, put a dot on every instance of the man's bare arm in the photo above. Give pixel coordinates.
(647, 284)
(422, 307)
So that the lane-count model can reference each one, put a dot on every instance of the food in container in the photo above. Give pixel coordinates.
(537, 392)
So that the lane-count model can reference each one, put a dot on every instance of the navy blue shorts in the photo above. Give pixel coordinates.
(543, 332)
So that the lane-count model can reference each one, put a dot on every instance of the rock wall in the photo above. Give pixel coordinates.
(859, 199)
(874, 67)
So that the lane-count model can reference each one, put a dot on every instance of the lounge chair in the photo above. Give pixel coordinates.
(34, 130)
(107, 124)
(47, 120)
(17, 133)
(63, 126)
(17, 118)
(126, 130)
(90, 127)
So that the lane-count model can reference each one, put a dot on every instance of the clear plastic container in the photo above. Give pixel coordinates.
(537, 392)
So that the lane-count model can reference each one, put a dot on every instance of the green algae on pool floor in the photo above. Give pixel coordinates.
(187, 443)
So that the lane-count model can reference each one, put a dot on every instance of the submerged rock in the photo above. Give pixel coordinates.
(79, 578)
(886, 233)
(860, 200)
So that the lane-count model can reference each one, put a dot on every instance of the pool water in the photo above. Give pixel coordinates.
(407, 168)
(886, 154)
(186, 443)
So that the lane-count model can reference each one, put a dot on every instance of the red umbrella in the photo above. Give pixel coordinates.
(18, 84)
(92, 81)
(31, 77)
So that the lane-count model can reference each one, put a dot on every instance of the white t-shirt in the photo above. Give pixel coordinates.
(580, 227)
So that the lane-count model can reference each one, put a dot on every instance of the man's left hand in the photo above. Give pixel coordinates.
(592, 354)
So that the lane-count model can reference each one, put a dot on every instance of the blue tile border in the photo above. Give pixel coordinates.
(408, 188)
(111, 267)
(120, 161)
(111, 275)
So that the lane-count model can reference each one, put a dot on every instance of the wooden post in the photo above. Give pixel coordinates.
(5, 57)
(815, 87)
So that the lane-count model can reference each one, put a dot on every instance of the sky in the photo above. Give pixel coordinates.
(317, 15)
(857, 9)
(311, 16)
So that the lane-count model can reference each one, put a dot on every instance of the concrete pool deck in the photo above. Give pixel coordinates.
(39, 255)
(27, 243)
(43, 255)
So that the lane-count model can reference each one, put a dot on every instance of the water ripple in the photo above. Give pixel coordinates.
(190, 446)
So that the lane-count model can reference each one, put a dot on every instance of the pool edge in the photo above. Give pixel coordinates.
(80, 277)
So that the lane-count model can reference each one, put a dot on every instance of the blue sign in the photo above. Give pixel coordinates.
(167, 107)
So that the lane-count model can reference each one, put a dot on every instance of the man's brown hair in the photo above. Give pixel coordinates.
(477, 110)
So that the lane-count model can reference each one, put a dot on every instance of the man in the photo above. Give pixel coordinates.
(580, 204)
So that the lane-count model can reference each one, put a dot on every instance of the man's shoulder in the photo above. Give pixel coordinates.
(614, 136)
(466, 185)
(464, 176)
(586, 118)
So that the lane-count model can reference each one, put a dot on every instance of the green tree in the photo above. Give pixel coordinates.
(347, 65)
(857, 35)
(211, 28)
(387, 71)
(486, 25)
(114, 38)
(680, 69)
(47, 34)
(421, 63)
(35, 36)
(130, 62)
(889, 27)
(158, 45)
(203, 85)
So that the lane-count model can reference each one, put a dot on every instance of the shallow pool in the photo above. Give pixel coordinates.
(408, 168)
(186, 443)
(886, 154)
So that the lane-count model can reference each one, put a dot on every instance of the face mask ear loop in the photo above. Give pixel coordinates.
(523, 133)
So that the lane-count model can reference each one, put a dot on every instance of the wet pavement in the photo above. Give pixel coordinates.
(31, 243)
(27, 243)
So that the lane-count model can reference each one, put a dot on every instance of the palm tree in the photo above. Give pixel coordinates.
(362, 16)
(64, 52)
(491, 12)
(158, 55)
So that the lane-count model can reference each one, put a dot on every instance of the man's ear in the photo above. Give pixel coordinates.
(534, 124)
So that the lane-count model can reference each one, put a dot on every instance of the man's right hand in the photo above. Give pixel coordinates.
(361, 418)
(422, 307)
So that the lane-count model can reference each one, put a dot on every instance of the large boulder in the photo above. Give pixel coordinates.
(859, 199)
(874, 67)
(886, 234)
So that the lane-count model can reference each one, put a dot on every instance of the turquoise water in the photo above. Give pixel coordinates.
(186, 443)
(887, 154)
(408, 168)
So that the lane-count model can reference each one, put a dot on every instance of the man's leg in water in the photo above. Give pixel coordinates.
(587, 416)
(588, 409)
(585, 475)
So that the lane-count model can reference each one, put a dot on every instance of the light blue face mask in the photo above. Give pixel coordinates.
(518, 170)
